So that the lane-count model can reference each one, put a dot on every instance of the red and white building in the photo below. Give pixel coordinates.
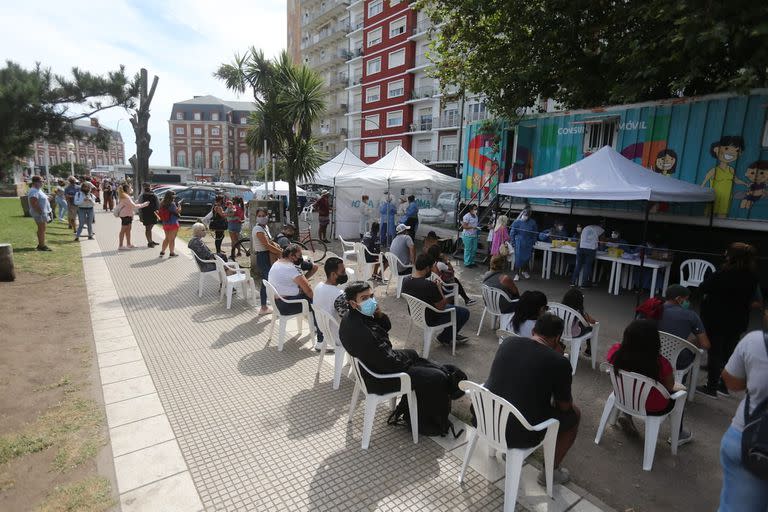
(83, 151)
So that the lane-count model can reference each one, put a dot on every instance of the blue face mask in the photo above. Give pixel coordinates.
(368, 306)
(686, 304)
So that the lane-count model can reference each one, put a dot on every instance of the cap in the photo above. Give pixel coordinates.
(402, 227)
(676, 290)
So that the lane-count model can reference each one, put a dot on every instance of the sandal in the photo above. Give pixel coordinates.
(172, 255)
(162, 254)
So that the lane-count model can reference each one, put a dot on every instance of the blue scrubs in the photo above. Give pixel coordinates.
(523, 234)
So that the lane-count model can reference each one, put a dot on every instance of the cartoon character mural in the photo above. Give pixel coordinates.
(481, 176)
(722, 176)
(666, 162)
(757, 176)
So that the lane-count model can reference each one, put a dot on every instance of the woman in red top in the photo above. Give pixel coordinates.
(640, 352)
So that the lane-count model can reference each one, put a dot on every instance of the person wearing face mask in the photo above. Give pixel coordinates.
(264, 250)
(586, 252)
(469, 236)
(524, 232)
(615, 240)
(327, 293)
(387, 212)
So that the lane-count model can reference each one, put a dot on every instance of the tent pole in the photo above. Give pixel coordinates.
(711, 213)
(642, 255)
(333, 225)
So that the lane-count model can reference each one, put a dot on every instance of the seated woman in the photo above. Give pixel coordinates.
(640, 352)
(530, 307)
(197, 246)
(430, 240)
(574, 299)
(497, 278)
(446, 273)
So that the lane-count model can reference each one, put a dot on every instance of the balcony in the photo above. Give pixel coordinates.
(356, 26)
(447, 120)
(330, 9)
(330, 132)
(330, 58)
(424, 92)
(422, 26)
(338, 108)
(326, 36)
(448, 154)
(356, 106)
(354, 133)
(476, 116)
(421, 61)
(425, 124)
(339, 82)
(355, 54)
(356, 80)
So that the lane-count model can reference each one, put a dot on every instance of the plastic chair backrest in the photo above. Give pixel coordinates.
(346, 245)
(417, 309)
(328, 325)
(272, 294)
(201, 261)
(393, 261)
(697, 269)
(569, 315)
(632, 389)
(672, 345)
(220, 268)
(492, 413)
(492, 298)
(358, 366)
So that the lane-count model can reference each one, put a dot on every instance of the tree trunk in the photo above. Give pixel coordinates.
(140, 123)
(7, 272)
(293, 199)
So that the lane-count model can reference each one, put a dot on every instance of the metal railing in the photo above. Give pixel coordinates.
(329, 5)
(422, 125)
(450, 154)
(422, 26)
(341, 80)
(421, 60)
(476, 116)
(336, 30)
(425, 91)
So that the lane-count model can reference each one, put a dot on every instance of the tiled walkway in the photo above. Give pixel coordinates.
(204, 413)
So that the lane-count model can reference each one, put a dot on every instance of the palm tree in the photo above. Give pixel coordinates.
(289, 99)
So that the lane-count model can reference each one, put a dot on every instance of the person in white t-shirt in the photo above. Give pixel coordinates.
(263, 249)
(589, 238)
(290, 283)
(469, 236)
(326, 293)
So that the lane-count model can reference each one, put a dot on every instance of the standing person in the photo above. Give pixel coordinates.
(125, 210)
(500, 235)
(586, 253)
(218, 221)
(85, 202)
(405, 250)
(523, 233)
(61, 200)
(574, 299)
(40, 208)
(531, 373)
(387, 212)
(728, 293)
(469, 236)
(365, 215)
(169, 215)
(109, 203)
(412, 216)
(235, 218)
(530, 307)
(323, 209)
(148, 213)
(747, 369)
(69, 195)
(265, 251)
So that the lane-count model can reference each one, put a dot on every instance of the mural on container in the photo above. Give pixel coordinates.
(481, 176)
(757, 176)
(722, 176)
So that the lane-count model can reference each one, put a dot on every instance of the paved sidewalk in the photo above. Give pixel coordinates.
(195, 390)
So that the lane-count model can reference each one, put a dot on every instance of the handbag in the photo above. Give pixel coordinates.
(116, 211)
(754, 438)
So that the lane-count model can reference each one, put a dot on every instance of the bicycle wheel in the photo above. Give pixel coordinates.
(314, 249)
(243, 246)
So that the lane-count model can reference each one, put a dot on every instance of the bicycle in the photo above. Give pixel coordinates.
(314, 248)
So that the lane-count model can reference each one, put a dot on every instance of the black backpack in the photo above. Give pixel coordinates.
(754, 439)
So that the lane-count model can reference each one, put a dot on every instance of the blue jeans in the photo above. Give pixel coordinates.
(292, 309)
(264, 264)
(62, 206)
(470, 248)
(585, 259)
(462, 315)
(742, 491)
(84, 216)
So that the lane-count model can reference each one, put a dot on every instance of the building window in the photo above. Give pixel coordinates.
(397, 27)
(215, 160)
(394, 2)
(477, 112)
(375, 7)
(395, 89)
(181, 158)
(372, 122)
(244, 120)
(371, 149)
(392, 144)
(179, 130)
(214, 116)
(197, 116)
(242, 134)
(597, 135)
(216, 131)
(373, 94)
(198, 159)
(243, 161)
(374, 37)
(180, 116)
(394, 118)
(197, 131)
(374, 65)
(396, 59)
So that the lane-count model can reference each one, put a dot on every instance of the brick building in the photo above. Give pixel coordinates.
(84, 152)
(208, 134)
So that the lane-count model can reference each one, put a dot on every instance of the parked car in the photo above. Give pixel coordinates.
(447, 201)
(160, 190)
(196, 201)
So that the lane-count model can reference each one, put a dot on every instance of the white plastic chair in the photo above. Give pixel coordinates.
(450, 290)
(503, 333)
(418, 310)
(372, 400)
(305, 313)
(492, 298)
(228, 282)
(696, 270)
(493, 413)
(393, 260)
(348, 249)
(330, 329)
(570, 316)
(211, 275)
(630, 392)
(671, 346)
(363, 267)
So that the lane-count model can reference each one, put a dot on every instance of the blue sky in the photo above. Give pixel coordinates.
(180, 41)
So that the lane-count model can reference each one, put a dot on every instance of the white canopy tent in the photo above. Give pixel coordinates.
(280, 189)
(341, 165)
(607, 176)
(395, 172)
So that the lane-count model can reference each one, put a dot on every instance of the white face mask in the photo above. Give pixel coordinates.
(523, 217)
(578, 229)
(262, 220)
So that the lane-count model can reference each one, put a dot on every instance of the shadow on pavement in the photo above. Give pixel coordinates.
(268, 360)
(242, 332)
(317, 409)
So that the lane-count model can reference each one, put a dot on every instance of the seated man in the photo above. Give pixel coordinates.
(284, 238)
(532, 374)
(327, 293)
(496, 277)
(677, 319)
(290, 283)
(402, 246)
(197, 246)
(423, 289)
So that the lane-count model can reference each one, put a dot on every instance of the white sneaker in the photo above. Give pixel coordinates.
(319, 347)
(685, 437)
(526, 275)
(516, 278)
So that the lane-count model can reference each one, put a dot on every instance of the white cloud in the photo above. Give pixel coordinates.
(180, 41)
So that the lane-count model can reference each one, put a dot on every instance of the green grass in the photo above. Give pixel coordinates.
(91, 495)
(20, 232)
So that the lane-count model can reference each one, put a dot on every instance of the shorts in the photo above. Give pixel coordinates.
(149, 221)
(171, 227)
(126, 221)
(234, 227)
(324, 220)
(40, 219)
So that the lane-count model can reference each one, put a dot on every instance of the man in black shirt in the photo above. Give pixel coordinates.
(532, 374)
(417, 285)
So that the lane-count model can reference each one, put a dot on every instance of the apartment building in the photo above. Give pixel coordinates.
(208, 133)
(83, 151)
